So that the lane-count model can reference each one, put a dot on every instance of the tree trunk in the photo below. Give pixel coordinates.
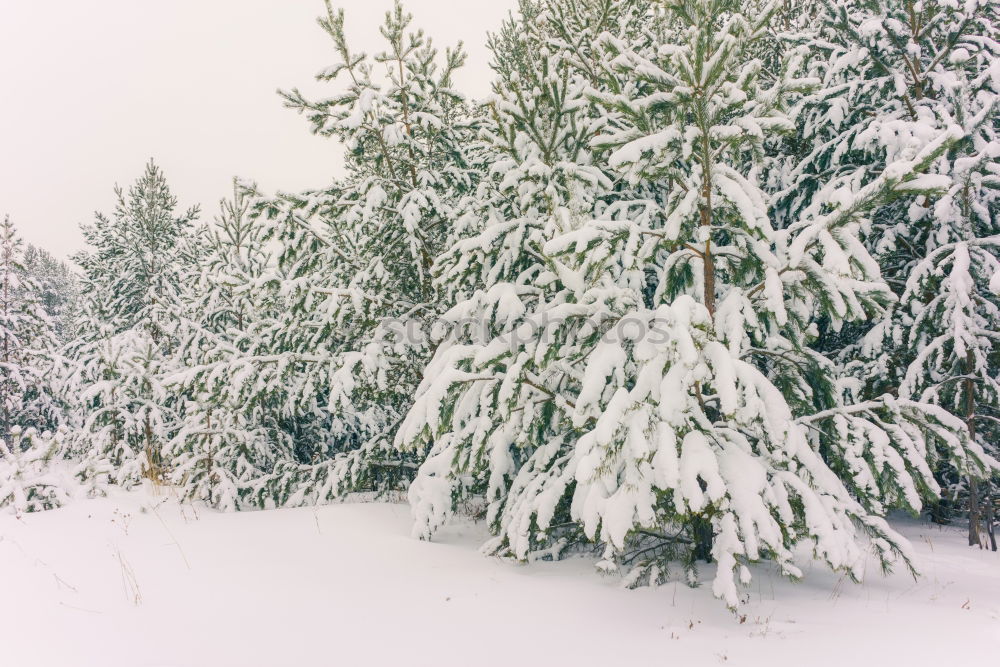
(708, 262)
(151, 458)
(988, 519)
(975, 539)
(975, 516)
(703, 536)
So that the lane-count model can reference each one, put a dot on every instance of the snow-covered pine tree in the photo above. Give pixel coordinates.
(122, 415)
(131, 273)
(228, 437)
(342, 355)
(57, 289)
(28, 410)
(491, 402)
(131, 288)
(953, 339)
(27, 337)
(898, 75)
(653, 385)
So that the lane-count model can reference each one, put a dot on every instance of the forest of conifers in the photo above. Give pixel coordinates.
(702, 281)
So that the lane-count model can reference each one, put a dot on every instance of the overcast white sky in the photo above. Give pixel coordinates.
(91, 89)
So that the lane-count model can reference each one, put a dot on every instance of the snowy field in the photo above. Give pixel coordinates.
(136, 580)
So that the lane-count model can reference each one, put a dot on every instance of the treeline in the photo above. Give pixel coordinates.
(703, 280)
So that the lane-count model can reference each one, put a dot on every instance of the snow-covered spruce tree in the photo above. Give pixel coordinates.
(898, 75)
(228, 437)
(131, 288)
(336, 360)
(27, 337)
(653, 382)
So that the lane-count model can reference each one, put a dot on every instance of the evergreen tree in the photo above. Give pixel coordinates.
(123, 415)
(229, 437)
(132, 287)
(898, 76)
(26, 336)
(483, 402)
(337, 358)
(57, 289)
(135, 259)
(654, 384)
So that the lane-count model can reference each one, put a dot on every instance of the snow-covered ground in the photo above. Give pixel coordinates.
(136, 580)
